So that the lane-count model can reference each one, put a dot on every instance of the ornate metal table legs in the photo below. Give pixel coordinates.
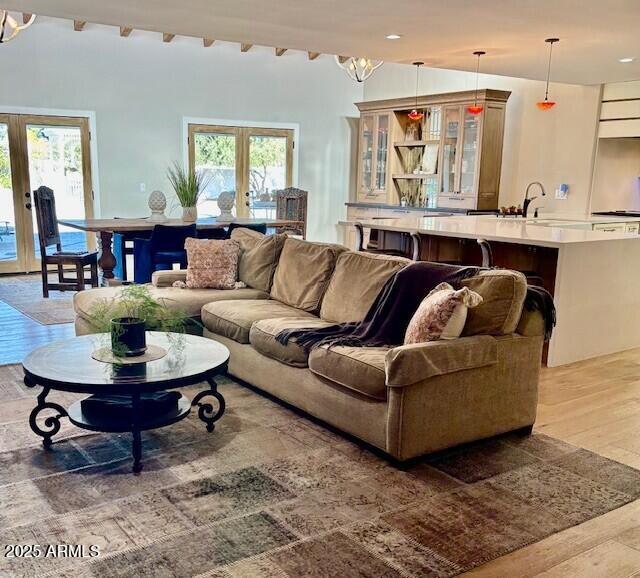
(205, 410)
(136, 444)
(51, 422)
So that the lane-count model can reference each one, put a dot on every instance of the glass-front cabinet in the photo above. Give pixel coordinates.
(443, 157)
(373, 158)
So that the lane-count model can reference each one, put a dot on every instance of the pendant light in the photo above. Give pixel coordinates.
(546, 104)
(476, 108)
(358, 68)
(9, 27)
(416, 114)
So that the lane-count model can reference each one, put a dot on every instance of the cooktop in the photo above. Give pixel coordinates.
(619, 213)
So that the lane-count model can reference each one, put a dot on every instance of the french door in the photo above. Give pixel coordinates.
(253, 162)
(35, 151)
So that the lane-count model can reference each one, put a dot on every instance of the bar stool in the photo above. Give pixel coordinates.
(533, 278)
(415, 245)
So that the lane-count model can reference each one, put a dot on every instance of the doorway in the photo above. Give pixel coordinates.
(42, 150)
(252, 161)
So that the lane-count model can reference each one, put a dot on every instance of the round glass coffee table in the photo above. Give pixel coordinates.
(68, 365)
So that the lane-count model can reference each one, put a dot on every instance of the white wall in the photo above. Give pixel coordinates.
(553, 147)
(140, 89)
(616, 183)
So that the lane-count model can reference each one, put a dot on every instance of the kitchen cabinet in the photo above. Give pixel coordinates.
(448, 159)
(373, 159)
(610, 227)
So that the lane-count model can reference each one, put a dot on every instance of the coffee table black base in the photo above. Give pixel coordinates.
(138, 424)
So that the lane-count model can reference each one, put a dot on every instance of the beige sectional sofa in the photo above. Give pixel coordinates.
(407, 400)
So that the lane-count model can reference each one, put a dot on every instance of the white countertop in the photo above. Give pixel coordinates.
(506, 230)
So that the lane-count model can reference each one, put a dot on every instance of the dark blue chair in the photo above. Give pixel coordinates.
(260, 227)
(161, 251)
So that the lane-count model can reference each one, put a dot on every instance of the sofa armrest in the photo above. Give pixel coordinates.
(167, 278)
(409, 364)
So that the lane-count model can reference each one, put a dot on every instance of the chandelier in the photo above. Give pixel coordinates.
(358, 68)
(9, 27)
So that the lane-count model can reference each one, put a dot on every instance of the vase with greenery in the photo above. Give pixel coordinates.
(132, 312)
(189, 185)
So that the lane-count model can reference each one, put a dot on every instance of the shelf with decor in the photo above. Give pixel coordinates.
(447, 152)
(415, 143)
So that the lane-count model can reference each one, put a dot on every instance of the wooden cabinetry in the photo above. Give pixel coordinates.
(373, 160)
(450, 158)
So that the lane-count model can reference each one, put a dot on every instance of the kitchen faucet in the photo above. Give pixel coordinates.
(527, 201)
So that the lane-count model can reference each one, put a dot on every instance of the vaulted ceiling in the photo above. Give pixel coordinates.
(594, 34)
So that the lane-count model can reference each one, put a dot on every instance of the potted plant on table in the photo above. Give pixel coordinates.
(189, 186)
(130, 314)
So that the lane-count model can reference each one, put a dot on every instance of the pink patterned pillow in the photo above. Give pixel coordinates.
(441, 315)
(212, 264)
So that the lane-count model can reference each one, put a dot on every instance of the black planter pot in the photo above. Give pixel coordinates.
(128, 338)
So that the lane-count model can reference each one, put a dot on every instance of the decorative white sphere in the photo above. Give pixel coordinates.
(226, 200)
(157, 204)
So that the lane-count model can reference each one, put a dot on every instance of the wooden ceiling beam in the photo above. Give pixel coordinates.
(167, 37)
(78, 25)
(207, 42)
(280, 51)
(26, 16)
(245, 47)
(125, 31)
(313, 55)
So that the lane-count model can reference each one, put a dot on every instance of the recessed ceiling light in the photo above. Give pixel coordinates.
(393, 36)
(626, 60)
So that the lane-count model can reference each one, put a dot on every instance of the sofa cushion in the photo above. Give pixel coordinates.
(233, 319)
(503, 293)
(358, 368)
(263, 338)
(188, 300)
(259, 255)
(355, 283)
(211, 263)
(303, 273)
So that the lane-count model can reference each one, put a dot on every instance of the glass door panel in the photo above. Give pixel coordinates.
(366, 153)
(268, 172)
(382, 149)
(449, 149)
(215, 154)
(55, 160)
(471, 131)
(8, 237)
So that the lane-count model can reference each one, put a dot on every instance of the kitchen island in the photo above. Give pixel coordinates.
(592, 274)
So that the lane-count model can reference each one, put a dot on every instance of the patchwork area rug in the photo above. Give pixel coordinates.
(24, 293)
(271, 494)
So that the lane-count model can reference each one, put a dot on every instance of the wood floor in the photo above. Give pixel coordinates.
(593, 404)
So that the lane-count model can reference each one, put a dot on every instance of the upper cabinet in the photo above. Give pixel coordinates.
(373, 157)
(449, 158)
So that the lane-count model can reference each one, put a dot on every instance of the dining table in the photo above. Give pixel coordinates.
(106, 228)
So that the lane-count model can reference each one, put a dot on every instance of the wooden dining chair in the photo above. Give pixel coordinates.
(291, 205)
(49, 235)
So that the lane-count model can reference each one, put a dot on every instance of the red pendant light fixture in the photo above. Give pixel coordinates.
(476, 108)
(546, 104)
(416, 114)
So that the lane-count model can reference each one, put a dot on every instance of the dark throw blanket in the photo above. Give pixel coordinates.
(388, 317)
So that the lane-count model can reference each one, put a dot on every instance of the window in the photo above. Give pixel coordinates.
(253, 162)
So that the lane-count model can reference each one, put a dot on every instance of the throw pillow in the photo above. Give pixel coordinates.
(259, 255)
(441, 315)
(211, 264)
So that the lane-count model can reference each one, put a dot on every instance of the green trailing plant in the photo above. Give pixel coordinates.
(188, 184)
(136, 301)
